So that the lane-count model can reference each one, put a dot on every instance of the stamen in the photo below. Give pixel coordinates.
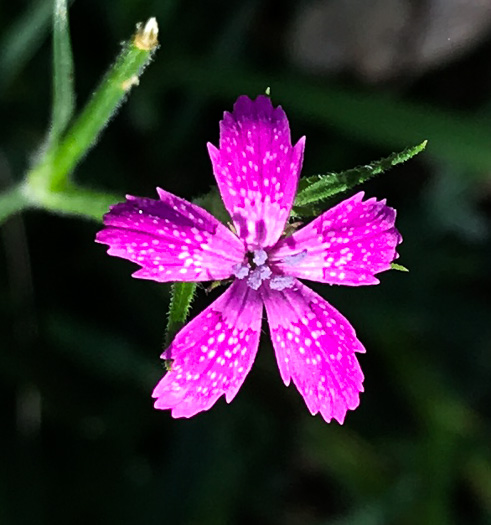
(258, 275)
(281, 282)
(297, 258)
(257, 271)
(260, 257)
(241, 271)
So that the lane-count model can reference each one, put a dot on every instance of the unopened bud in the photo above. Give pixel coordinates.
(146, 37)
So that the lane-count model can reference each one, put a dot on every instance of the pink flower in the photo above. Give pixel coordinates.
(257, 171)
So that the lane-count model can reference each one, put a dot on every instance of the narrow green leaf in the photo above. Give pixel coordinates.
(398, 267)
(319, 187)
(63, 90)
(51, 175)
(182, 295)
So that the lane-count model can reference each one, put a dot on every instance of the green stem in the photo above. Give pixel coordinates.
(81, 202)
(12, 201)
(63, 84)
(51, 175)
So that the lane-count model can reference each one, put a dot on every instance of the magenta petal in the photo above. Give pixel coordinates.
(315, 346)
(257, 169)
(347, 244)
(212, 354)
(171, 239)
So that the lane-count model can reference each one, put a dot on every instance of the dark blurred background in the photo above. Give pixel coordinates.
(80, 339)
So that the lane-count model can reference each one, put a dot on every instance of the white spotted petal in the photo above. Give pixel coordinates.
(212, 354)
(347, 244)
(171, 239)
(315, 347)
(257, 169)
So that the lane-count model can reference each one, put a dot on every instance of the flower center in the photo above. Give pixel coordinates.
(257, 270)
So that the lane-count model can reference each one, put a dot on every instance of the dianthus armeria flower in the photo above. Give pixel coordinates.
(257, 171)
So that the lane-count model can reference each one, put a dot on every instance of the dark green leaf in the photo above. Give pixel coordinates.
(182, 295)
(319, 187)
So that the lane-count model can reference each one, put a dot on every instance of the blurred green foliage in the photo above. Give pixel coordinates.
(81, 340)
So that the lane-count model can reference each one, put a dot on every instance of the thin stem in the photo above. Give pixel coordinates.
(81, 202)
(63, 84)
(12, 201)
(51, 175)
(47, 185)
